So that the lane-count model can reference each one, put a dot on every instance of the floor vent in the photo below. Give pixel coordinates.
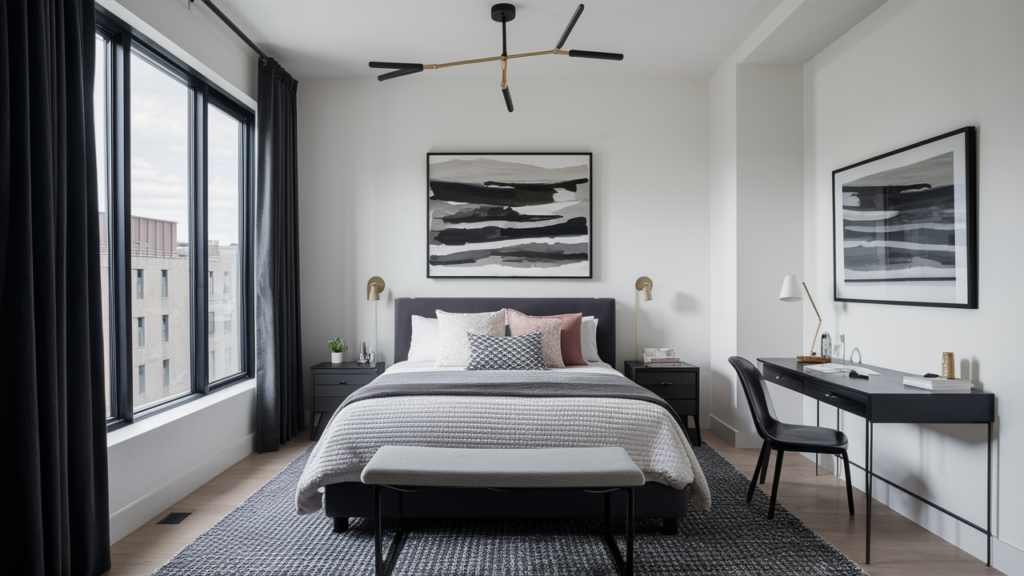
(174, 518)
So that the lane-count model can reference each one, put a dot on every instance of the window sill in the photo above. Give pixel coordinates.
(148, 424)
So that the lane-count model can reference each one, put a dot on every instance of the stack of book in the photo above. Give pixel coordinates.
(939, 384)
(661, 358)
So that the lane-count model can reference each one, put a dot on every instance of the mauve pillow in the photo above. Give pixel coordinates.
(571, 341)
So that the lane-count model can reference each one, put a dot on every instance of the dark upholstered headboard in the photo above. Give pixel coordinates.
(601, 308)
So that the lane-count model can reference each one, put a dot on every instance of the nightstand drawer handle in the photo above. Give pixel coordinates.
(779, 377)
(342, 383)
(828, 394)
(666, 383)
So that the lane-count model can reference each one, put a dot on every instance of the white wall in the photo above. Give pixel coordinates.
(157, 461)
(362, 185)
(908, 72)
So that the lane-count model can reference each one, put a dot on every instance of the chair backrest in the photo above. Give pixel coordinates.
(756, 391)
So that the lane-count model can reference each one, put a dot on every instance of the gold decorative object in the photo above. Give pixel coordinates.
(643, 287)
(948, 370)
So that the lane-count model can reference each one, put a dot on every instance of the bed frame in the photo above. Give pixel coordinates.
(346, 500)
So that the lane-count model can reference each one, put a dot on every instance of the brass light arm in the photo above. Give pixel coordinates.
(493, 58)
(504, 79)
(815, 339)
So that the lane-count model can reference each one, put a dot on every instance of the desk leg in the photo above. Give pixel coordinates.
(869, 432)
(988, 526)
(817, 410)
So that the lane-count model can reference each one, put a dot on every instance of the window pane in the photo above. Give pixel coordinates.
(99, 101)
(224, 191)
(159, 234)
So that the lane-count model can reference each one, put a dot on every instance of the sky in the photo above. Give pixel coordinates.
(160, 149)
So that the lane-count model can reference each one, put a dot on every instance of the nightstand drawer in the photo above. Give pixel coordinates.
(849, 401)
(673, 391)
(786, 380)
(344, 377)
(659, 376)
(326, 404)
(684, 407)
(333, 391)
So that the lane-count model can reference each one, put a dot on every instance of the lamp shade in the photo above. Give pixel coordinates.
(644, 285)
(790, 290)
(374, 288)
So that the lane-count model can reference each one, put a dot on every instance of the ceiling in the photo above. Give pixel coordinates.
(337, 38)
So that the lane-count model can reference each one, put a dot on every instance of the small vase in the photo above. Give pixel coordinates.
(335, 357)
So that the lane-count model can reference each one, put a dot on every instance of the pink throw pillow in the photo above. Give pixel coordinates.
(571, 343)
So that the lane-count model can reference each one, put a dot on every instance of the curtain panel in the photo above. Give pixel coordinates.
(280, 410)
(51, 332)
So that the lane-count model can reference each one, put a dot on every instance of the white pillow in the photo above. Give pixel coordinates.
(453, 348)
(425, 339)
(588, 338)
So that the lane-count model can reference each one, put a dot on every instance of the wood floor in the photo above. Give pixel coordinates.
(899, 546)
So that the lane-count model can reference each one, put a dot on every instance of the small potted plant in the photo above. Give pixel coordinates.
(337, 347)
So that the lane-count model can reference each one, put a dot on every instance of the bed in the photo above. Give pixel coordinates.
(433, 408)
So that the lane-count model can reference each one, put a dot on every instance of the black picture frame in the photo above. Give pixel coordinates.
(922, 274)
(434, 270)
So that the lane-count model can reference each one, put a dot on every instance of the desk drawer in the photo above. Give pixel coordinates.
(333, 391)
(849, 401)
(341, 377)
(673, 391)
(664, 376)
(784, 379)
(684, 407)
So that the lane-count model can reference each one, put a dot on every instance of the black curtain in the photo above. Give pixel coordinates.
(51, 332)
(280, 411)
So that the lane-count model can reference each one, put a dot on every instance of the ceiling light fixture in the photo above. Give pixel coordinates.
(503, 13)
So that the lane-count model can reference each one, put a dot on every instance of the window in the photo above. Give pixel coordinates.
(227, 356)
(227, 326)
(178, 151)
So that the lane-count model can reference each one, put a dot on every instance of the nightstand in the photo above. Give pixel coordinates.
(331, 384)
(679, 386)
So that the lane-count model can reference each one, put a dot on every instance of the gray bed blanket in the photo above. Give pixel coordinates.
(502, 409)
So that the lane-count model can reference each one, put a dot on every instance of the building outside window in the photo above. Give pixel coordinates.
(140, 292)
(212, 324)
(227, 283)
(213, 366)
(167, 373)
(141, 329)
(142, 380)
(166, 328)
(163, 283)
(210, 287)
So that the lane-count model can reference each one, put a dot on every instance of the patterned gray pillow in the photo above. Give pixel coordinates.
(510, 353)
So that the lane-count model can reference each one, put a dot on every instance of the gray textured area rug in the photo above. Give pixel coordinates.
(265, 537)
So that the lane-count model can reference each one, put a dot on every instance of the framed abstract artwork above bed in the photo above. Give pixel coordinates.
(905, 225)
(509, 215)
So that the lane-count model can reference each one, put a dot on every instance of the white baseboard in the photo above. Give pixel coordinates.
(126, 520)
(1007, 558)
(733, 436)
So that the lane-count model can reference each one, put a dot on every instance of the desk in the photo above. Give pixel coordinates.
(885, 399)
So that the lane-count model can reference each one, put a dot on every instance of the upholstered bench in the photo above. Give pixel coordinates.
(405, 468)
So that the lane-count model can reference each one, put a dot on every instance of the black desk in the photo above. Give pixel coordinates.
(885, 399)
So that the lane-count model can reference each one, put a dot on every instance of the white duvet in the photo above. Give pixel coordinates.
(647, 431)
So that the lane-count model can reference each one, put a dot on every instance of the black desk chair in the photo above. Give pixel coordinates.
(784, 437)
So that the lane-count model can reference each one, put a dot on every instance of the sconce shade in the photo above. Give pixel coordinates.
(790, 290)
(374, 287)
(644, 285)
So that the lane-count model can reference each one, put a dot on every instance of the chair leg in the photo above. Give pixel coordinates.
(767, 456)
(757, 470)
(775, 486)
(849, 485)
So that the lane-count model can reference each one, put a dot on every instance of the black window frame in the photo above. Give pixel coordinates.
(123, 40)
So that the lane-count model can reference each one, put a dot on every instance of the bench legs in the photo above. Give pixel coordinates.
(626, 567)
(382, 566)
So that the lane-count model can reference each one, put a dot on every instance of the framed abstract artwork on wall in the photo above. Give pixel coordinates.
(509, 215)
(905, 225)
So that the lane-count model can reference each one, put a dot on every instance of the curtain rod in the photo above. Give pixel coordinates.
(234, 28)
